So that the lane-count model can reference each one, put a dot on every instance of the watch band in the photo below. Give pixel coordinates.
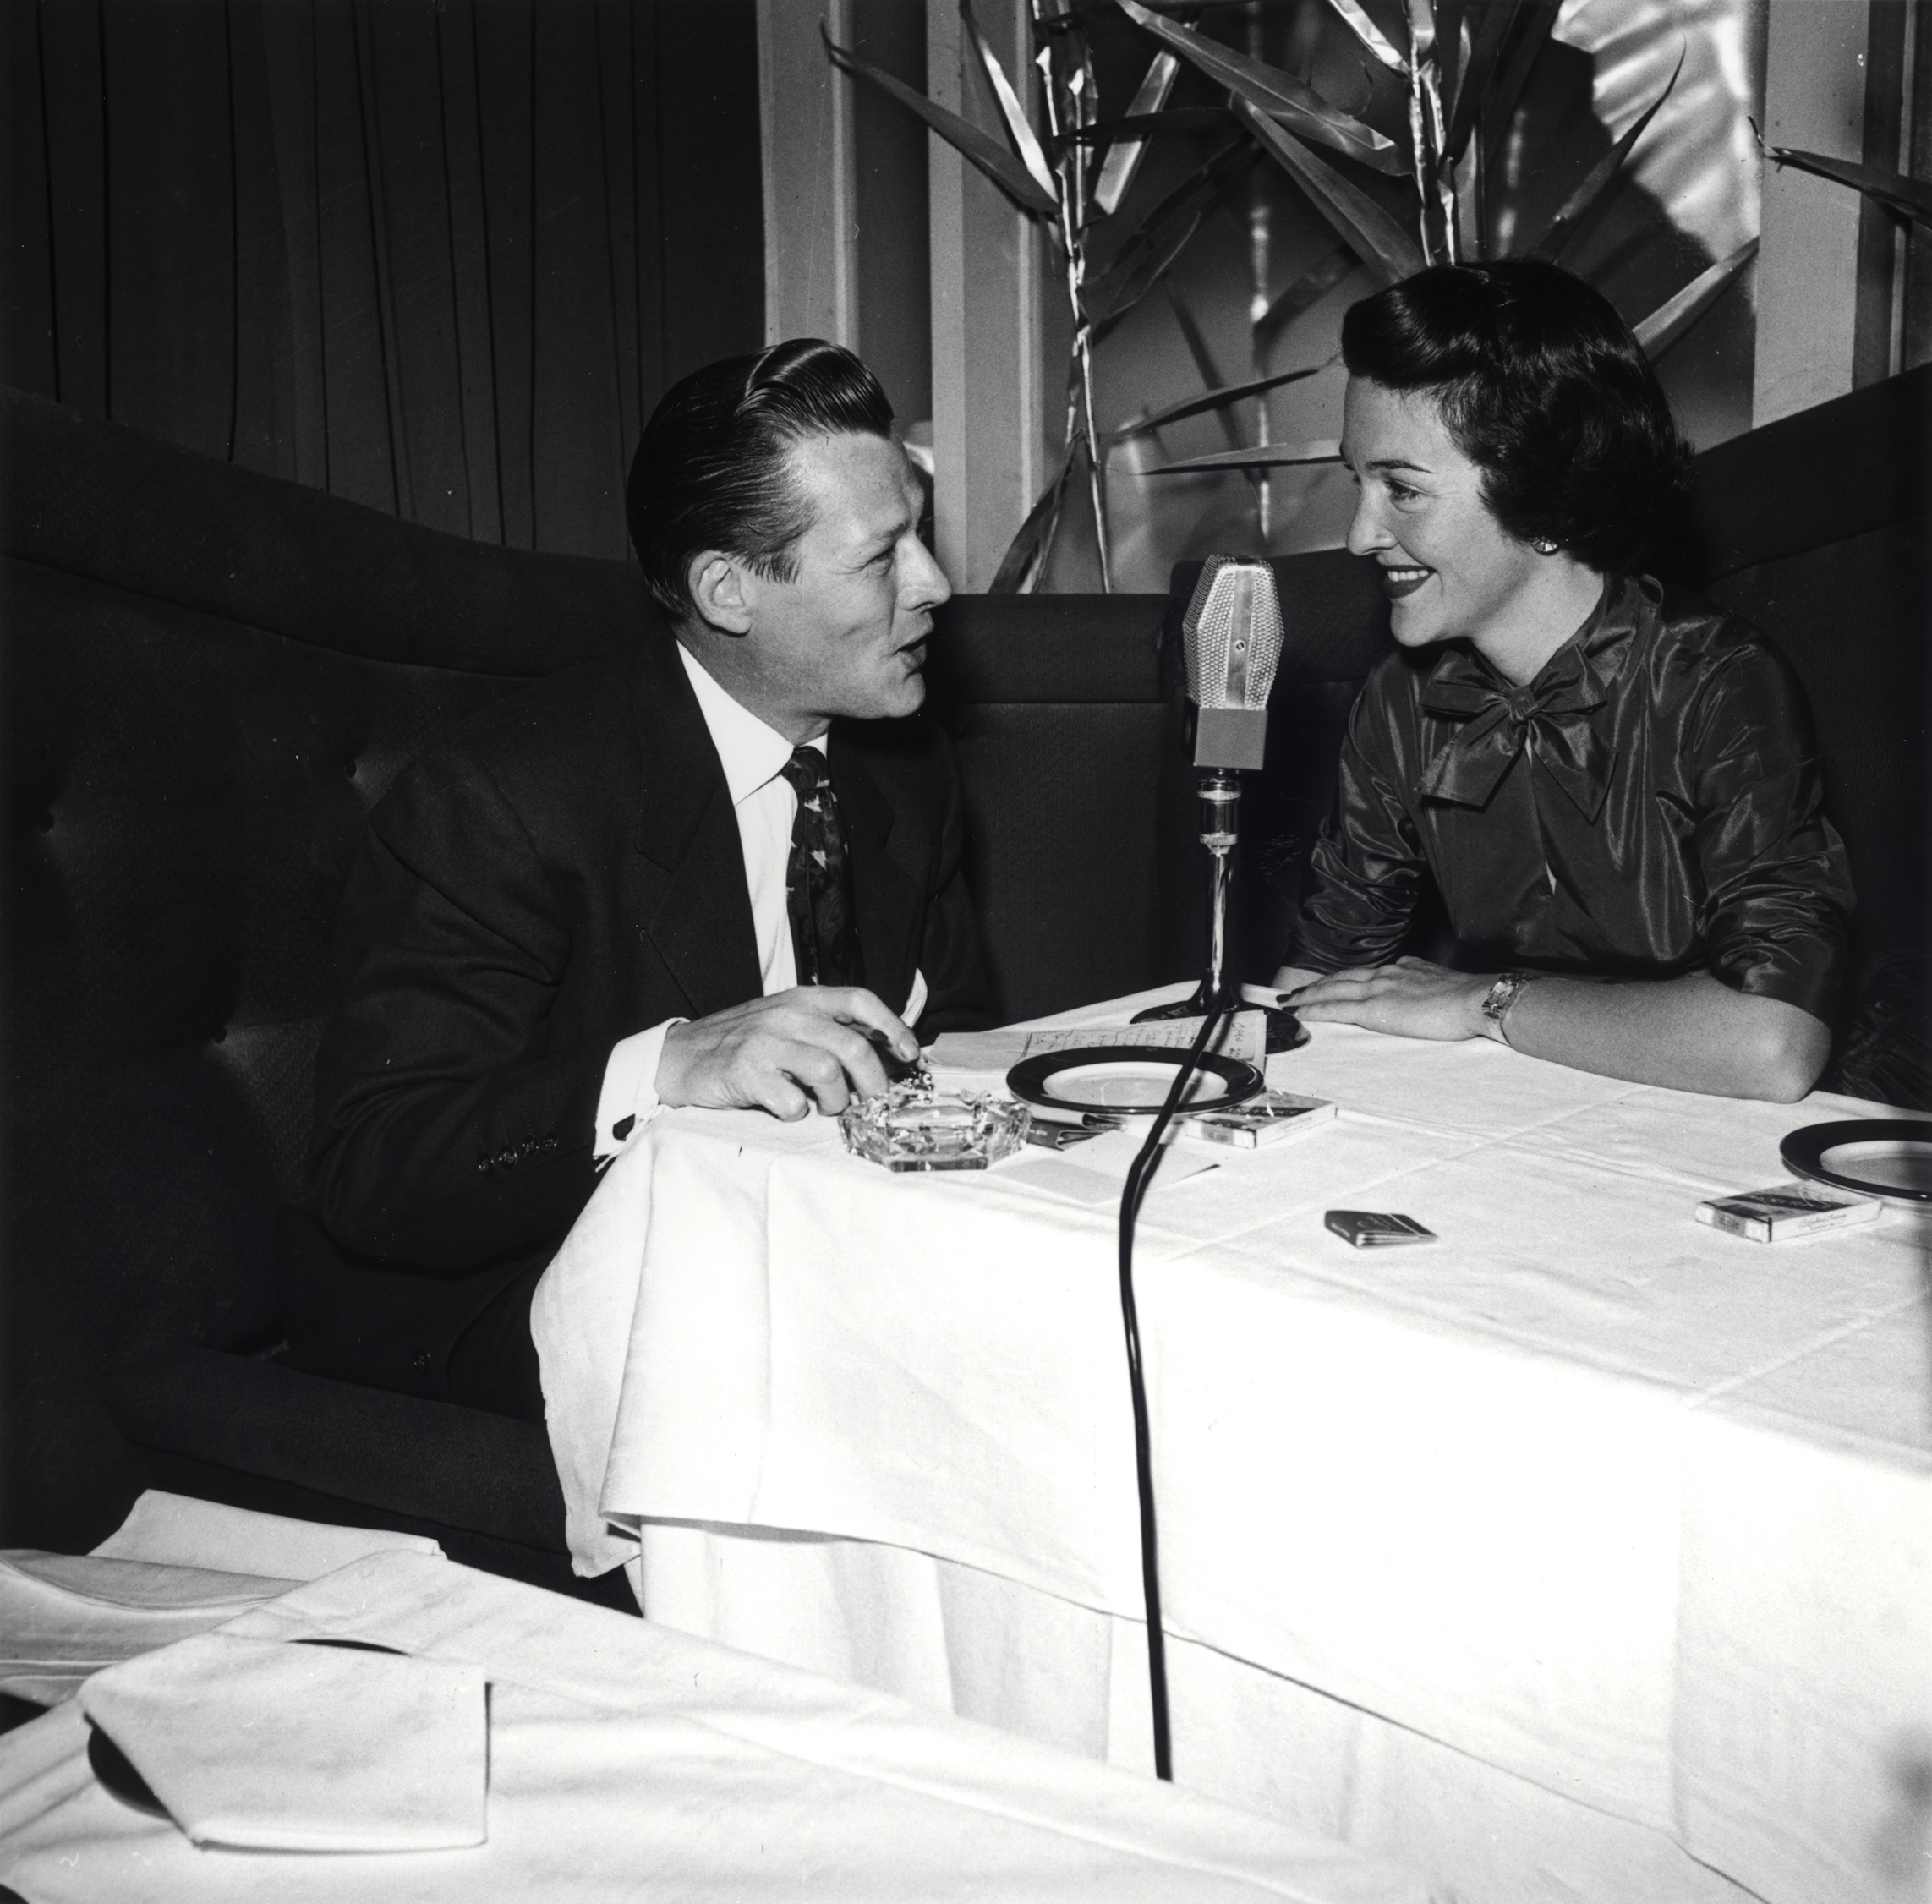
(1503, 994)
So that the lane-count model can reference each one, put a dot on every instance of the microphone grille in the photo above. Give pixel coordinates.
(1231, 636)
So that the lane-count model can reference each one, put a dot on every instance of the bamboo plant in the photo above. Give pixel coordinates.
(1461, 69)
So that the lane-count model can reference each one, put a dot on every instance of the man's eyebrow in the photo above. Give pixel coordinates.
(884, 538)
(1401, 462)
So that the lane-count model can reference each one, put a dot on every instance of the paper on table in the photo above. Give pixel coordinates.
(1244, 1038)
(254, 1743)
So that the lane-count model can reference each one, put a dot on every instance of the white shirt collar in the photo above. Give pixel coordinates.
(753, 754)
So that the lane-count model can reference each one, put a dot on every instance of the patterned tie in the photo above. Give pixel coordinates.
(818, 879)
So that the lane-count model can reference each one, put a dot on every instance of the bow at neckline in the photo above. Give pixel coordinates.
(1495, 719)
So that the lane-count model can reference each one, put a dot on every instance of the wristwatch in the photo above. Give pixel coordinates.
(1503, 994)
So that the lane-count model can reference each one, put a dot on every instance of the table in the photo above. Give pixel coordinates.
(628, 1761)
(1585, 1553)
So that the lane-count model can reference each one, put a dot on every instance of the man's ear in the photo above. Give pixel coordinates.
(718, 584)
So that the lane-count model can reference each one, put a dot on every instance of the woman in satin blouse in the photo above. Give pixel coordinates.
(1613, 787)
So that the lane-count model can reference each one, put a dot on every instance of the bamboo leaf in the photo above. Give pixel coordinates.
(1124, 160)
(1205, 367)
(1671, 320)
(973, 144)
(1361, 224)
(1484, 53)
(1911, 197)
(1167, 230)
(1017, 129)
(1501, 107)
(1265, 456)
(1268, 90)
(1578, 206)
(1305, 290)
(1370, 34)
(1215, 400)
(1027, 553)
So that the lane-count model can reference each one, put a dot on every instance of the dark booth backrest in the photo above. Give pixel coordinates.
(209, 677)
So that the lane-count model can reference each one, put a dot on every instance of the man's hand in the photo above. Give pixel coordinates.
(815, 1043)
(1412, 998)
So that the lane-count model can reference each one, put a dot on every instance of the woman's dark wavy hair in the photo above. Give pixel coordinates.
(711, 470)
(1543, 387)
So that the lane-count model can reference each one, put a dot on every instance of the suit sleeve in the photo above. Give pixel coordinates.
(450, 1133)
(958, 992)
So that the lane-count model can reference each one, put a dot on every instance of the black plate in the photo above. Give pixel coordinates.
(111, 1765)
(1027, 1081)
(1805, 1150)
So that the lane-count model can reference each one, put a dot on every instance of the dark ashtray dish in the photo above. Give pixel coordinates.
(1887, 1157)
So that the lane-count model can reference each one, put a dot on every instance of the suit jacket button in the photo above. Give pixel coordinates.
(420, 1361)
(507, 1158)
(549, 1143)
(483, 1164)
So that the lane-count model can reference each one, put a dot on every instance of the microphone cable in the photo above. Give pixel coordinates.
(1138, 1173)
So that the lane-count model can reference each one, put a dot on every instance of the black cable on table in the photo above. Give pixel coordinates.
(1137, 1175)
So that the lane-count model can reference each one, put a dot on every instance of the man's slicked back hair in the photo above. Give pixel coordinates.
(712, 468)
(1543, 387)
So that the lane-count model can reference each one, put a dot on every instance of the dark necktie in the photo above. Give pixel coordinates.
(818, 879)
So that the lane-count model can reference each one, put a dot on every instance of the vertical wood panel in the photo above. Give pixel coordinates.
(1808, 258)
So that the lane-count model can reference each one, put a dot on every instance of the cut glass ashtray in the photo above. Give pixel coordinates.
(914, 1126)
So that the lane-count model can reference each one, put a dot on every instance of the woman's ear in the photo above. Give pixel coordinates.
(717, 583)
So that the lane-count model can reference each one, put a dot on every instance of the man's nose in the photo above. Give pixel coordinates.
(1367, 532)
(925, 584)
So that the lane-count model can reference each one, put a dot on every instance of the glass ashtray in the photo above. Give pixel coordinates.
(913, 1126)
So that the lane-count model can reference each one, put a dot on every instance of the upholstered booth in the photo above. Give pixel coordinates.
(209, 675)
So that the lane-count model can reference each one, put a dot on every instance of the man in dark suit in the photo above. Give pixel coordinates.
(721, 869)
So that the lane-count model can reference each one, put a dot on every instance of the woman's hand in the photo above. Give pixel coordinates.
(1412, 998)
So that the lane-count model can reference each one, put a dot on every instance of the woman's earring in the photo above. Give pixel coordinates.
(1545, 547)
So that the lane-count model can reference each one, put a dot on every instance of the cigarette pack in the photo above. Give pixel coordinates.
(1785, 1211)
(1259, 1121)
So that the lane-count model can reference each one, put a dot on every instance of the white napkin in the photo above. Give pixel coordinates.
(63, 1617)
(282, 1747)
(180, 1531)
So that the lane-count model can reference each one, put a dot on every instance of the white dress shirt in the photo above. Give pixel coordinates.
(753, 757)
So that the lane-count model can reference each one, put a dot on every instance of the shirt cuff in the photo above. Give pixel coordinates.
(914, 1000)
(629, 1098)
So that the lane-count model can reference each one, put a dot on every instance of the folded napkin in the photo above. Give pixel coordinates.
(63, 1617)
(283, 1746)
(179, 1531)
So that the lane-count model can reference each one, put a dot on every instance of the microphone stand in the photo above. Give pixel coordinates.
(1220, 796)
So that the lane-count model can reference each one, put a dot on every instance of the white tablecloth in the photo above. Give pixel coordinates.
(1634, 1513)
(626, 1761)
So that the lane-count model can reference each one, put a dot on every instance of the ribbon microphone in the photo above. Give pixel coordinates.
(1231, 641)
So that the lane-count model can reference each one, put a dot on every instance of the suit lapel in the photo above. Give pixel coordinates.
(887, 898)
(698, 913)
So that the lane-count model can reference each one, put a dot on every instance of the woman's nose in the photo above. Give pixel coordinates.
(1366, 531)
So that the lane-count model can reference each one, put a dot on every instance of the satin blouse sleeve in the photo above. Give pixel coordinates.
(1777, 892)
(1366, 871)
